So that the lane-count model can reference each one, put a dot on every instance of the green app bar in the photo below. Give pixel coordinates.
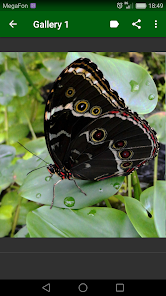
(82, 24)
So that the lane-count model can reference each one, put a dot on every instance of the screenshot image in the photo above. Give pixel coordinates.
(82, 146)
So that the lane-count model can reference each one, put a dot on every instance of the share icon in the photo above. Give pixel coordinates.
(135, 24)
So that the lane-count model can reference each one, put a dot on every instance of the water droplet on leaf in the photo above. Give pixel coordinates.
(147, 83)
(100, 190)
(69, 201)
(151, 97)
(92, 213)
(116, 186)
(134, 86)
(47, 178)
(38, 195)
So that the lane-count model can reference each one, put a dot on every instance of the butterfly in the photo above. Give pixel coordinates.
(90, 133)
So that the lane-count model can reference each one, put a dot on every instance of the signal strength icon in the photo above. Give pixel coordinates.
(128, 6)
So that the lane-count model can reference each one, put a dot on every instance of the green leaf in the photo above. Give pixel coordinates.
(52, 70)
(12, 55)
(11, 198)
(38, 186)
(36, 146)
(6, 177)
(23, 69)
(158, 122)
(146, 198)
(2, 57)
(160, 207)
(12, 83)
(131, 81)
(7, 154)
(138, 216)
(153, 199)
(24, 210)
(6, 212)
(23, 232)
(38, 126)
(5, 220)
(87, 222)
(23, 167)
(17, 132)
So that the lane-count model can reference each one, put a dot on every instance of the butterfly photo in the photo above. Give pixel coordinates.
(77, 167)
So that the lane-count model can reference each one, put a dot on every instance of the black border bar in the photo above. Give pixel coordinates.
(65, 44)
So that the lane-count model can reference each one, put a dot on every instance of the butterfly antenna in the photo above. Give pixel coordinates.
(33, 154)
(37, 169)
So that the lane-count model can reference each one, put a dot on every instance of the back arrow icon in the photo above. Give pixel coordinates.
(46, 287)
(11, 24)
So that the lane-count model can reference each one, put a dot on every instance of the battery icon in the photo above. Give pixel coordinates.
(140, 5)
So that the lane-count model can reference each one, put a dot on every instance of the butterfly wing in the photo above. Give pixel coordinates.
(114, 144)
(79, 95)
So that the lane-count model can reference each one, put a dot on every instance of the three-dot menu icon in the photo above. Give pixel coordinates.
(155, 24)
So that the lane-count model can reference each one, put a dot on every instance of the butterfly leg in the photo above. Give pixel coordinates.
(78, 187)
(54, 193)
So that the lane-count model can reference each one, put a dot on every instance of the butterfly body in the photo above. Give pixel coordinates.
(60, 171)
(90, 133)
